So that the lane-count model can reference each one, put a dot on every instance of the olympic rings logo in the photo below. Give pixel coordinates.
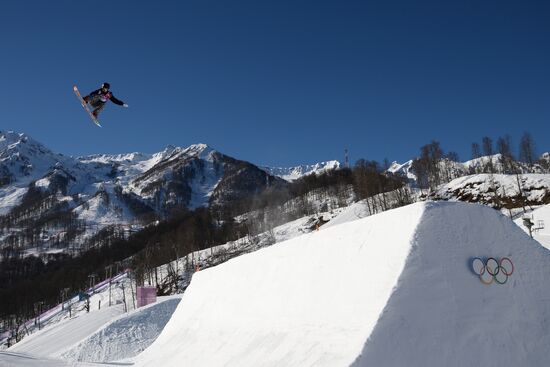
(493, 270)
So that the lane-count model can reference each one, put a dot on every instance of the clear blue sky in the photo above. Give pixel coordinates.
(277, 82)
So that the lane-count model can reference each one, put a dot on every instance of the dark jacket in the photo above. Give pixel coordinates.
(103, 97)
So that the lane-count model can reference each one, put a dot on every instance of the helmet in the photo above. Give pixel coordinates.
(105, 85)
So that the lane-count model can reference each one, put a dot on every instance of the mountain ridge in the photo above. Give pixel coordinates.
(44, 190)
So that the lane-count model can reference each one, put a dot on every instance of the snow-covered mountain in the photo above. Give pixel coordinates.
(24, 159)
(48, 200)
(403, 169)
(70, 199)
(294, 173)
(60, 196)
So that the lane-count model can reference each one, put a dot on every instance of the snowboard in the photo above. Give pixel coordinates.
(85, 105)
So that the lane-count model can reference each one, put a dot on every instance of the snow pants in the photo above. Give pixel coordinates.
(97, 104)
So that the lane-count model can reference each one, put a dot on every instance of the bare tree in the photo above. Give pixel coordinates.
(428, 166)
(452, 171)
(433, 154)
(452, 156)
(487, 144)
(476, 151)
(504, 149)
(527, 149)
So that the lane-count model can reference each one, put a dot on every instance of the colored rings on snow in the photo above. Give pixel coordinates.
(492, 270)
(507, 266)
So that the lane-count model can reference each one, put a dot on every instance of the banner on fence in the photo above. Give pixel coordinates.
(146, 295)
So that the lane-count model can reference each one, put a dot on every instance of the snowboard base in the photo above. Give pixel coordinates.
(85, 106)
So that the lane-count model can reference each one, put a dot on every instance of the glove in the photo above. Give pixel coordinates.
(125, 105)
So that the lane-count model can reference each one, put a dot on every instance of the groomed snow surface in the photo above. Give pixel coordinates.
(393, 289)
(102, 335)
(125, 336)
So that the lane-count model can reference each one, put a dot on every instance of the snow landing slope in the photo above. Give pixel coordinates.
(394, 289)
(102, 335)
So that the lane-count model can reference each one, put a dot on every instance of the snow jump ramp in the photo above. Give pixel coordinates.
(394, 289)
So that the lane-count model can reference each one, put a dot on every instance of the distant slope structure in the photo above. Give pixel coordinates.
(393, 289)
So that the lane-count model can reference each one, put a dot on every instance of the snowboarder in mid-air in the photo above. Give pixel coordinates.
(99, 97)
